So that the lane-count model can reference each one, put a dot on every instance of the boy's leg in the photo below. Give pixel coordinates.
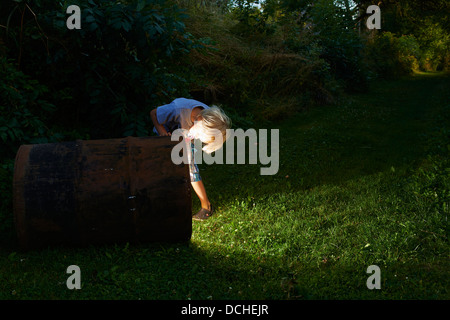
(199, 189)
(197, 184)
(196, 180)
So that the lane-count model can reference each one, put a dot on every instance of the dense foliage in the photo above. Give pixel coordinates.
(105, 77)
(130, 56)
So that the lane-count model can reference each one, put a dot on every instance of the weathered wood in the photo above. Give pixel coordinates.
(101, 191)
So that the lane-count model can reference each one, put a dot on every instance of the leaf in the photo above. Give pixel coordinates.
(12, 256)
(158, 17)
(126, 25)
(13, 123)
(140, 5)
(90, 19)
(116, 24)
(118, 109)
(159, 29)
(93, 26)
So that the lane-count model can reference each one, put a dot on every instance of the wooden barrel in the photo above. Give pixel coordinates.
(100, 192)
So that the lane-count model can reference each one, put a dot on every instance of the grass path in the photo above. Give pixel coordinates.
(339, 201)
(348, 195)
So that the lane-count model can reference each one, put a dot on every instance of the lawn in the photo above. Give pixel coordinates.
(363, 182)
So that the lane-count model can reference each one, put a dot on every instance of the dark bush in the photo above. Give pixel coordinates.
(106, 76)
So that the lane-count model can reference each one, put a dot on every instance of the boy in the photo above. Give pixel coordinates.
(201, 122)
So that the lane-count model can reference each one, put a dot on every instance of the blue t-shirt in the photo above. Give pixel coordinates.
(177, 114)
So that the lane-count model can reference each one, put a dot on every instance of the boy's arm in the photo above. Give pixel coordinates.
(160, 128)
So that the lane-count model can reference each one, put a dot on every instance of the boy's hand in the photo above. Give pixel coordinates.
(161, 130)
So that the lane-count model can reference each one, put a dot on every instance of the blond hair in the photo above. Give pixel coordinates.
(214, 128)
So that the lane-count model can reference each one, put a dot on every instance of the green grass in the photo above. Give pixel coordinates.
(364, 182)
